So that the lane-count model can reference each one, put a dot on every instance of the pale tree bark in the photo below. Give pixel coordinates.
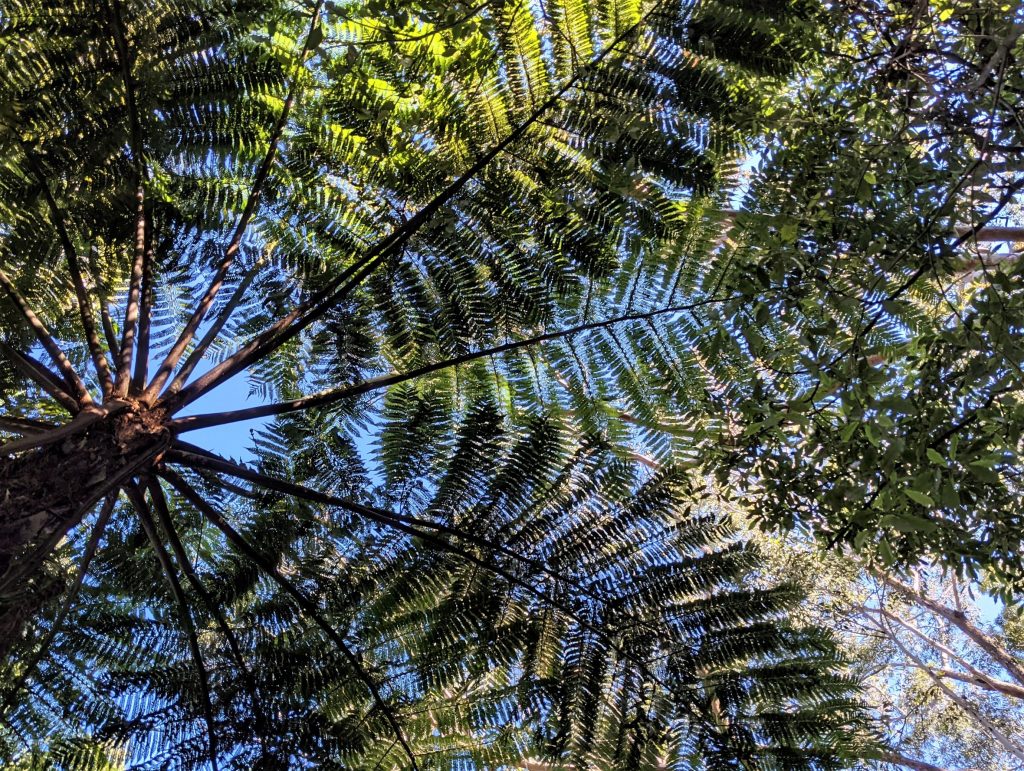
(899, 759)
(971, 710)
(958, 619)
(973, 675)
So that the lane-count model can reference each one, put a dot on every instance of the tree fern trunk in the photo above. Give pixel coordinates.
(46, 492)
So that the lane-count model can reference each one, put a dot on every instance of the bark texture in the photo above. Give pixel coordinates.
(46, 492)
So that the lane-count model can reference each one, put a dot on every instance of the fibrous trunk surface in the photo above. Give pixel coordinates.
(46, 492)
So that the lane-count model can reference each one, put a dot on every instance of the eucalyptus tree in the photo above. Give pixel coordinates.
(419, 230)
(937, 658)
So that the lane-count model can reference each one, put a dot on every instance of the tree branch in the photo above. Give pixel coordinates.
(961, 702)
(898, 759)
(996, 60)
(993, 234)
(975, 676)
(1003, 657)
(981, 680)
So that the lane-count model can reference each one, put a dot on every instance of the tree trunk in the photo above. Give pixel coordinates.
(46, 492)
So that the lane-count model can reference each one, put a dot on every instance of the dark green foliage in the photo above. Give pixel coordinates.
(886, 415)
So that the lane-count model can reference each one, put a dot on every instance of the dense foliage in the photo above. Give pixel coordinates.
(511, 352)
(876, 261)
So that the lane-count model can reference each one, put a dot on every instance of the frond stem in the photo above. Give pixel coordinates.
(131, 318)
(231, 251)
(131, 311)
(408, 525)
(24, 426)
(193, 422)
(75, 426)
(317, 306)
(105, 319)
(307, 605)
(145, 318)
(214, 331)
(43, 377)
(184, 614)
(156, 495)
(74, 269)
(69, 600)
(57, 356)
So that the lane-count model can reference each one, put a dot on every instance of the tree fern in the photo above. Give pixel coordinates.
(490, 234)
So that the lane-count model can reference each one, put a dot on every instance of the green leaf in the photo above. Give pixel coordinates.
(872, 434)
(918, 497)
(907, 523)
(982, 470)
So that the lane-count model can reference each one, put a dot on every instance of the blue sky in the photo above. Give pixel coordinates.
(233, 439)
